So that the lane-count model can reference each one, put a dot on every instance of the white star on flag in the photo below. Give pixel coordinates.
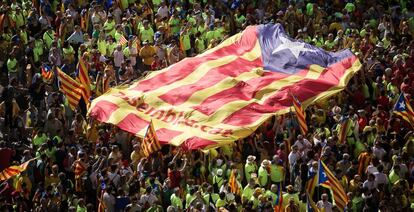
(402, 105)
(294, 47)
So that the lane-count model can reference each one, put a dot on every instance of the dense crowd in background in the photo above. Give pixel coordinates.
(374, 165)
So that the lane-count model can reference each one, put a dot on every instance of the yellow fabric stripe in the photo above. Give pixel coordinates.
(202, 70)
(230, 41)
(261, 96)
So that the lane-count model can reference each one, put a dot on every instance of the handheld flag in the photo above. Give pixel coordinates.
(279, 200)
(80, 170)
(328, 180)
(233, 184)
(83, 78)
(311, 184)
(70, 87)
(343, 130)
(300, 114)
(14, 170)
(311, 206)
(404, 109)
(227, 92)
(47, 73)
(310, 190)
(122, 41)
(150, 143)
(101, 205)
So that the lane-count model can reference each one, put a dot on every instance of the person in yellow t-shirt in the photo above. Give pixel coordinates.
(146, 32)
(109, 26)
(147, 53)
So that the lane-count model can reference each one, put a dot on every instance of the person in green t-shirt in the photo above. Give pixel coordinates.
(210, 35)
(350, 7)
(12, 66)
(272, 193)
(330, 43)
(48, 37)
(221, 202)
(39, 139)
(146, 32)
(263, 173)
(174, 24)
(176, 200)
(109, 26)
(38, 49)
(199, 43)
(247, 192)
(185, 41)
(394, 175)
(102, 44)
(119, 33)
(111, 46)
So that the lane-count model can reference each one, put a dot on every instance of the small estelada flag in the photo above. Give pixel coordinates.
(150, 144)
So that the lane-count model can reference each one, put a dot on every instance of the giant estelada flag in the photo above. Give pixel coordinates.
(227, 92)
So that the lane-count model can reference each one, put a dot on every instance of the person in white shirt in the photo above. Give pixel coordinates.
(109, 200)
(131, 51)
(378, 151)
(372, 167)
(148, 199)
(163, 10)
(294, 155)
(370, 183)
(118, 56)
(303, 145)
(133, 206)
(324, 203)
(380, 177)
(113, 175)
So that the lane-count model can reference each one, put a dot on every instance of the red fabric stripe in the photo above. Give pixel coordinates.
(344, 128)
(67, 80)
(132, 123)
(183, 68)
(197, 143)
(83, 76)
(242, 91)
(299, 113)
(71, 97)
(12, 171)
(181, 94)
(305, 89)
(164, 135)
(103, 110)
(67, 89)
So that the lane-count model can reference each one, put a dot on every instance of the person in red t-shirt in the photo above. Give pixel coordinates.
(175, 174)
(362, 120)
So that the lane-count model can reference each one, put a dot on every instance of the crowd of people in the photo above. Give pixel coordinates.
(77, 169)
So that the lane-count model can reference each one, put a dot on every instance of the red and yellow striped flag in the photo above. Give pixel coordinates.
(404, 110)
(343, 130)
(70, 87)
(101, 205)
(233, 184)
(83, 78)
(227, 92)
(122, 41)
(328, 180)
(150, 144)
(14, 170)
(300, 114)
